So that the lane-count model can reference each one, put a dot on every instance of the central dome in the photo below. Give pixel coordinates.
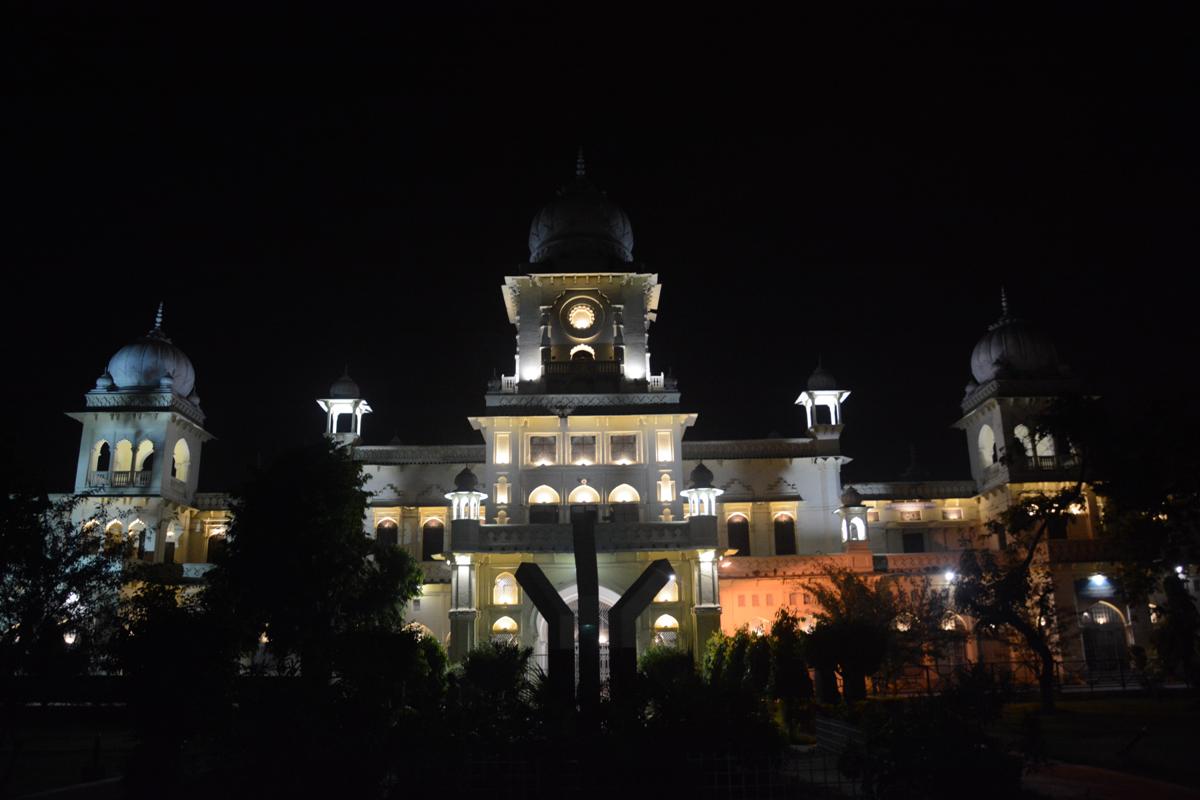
(580, 221)
(152, 362)
(1013, 348)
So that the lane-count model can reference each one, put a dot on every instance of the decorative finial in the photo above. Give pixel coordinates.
(580, 166)
(158, 315)
(1003, 302)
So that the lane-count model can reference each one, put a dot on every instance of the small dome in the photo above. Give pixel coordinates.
(144, 363)
(466, 481)
(104, 382)
(821, 380)
(1013, 348)
(851, 497)
(344, 388)
(701, 477)
(580, 221)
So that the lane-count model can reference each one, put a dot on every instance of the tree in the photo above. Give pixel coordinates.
(59, 582)
(855, 630)
(1175, 636)
(1012, 589)
(300, 573)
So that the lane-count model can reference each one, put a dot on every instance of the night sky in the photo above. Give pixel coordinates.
(859, 191)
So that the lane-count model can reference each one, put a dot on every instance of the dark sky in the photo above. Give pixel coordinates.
(858, 189)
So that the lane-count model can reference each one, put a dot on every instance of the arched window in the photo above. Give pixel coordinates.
(583, 495)
(666, 488)
(987, 446)
(124, 460)
(739, 534)
(505, 591)
(1021, 434)
(114, 535)
(138, 539)
(505, 629)
(785, 535)
(101, 457)
(543, 505)
(666, 631)
(955, 651)
(387, 532)
(169, 544)
(433, 539)
(144, 460)
(625, 503)
(668, 593)
(181, 461)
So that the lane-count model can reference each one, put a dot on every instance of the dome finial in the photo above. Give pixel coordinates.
(158, 315)
(580, 166)
(1003, 302)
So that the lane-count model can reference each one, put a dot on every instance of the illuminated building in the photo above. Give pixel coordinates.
(583, 424)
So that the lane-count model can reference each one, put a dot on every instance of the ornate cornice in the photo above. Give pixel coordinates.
(610, 537)
(145, 401)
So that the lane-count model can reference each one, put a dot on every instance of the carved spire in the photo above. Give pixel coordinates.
(1003, 302)
(158, 316)
(580, 166)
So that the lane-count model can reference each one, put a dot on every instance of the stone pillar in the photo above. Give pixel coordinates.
(463, 612)
(707, 609)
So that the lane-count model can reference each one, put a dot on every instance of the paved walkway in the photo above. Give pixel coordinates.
(1094, 783)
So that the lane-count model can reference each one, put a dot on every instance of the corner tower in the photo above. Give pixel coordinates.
(1016, 375)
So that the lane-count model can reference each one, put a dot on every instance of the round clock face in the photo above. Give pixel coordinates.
(582, 317)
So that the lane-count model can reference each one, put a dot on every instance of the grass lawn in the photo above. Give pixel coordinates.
(1154, 737)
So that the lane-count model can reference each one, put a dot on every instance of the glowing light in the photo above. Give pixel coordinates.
(1179, 570)
(505, 625)
(69, 638)
(950, 575)
(666, 623)
(263, 638)
(634, 373)
(581, 316)
(726, 563)
(603, 638)
(531, 373)
(73, 597)
(672, 577)
(1097, 580)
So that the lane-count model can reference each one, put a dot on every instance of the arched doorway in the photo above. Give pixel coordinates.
(570, 596)
(1105, 647)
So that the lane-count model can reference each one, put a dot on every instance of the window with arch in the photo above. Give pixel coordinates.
(138, 539)
(1022, 435)
(170, 543)
(668, 593)
(583, 495)
(181, 460)
(114, 535)
(666, 488)
(505, 591)
(505, 630)
(625, 502)
(433, 539)
(543, 505)
(101, 457)
(501, 491)
(987, 446)
(387, 533)
(785, 535)
(144, 459)
(666, 631)
(739, 534)
(124, 459)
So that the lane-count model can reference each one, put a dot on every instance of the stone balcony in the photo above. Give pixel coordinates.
(119, 479)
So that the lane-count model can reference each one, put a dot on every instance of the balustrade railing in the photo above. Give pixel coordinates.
(119, 478)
